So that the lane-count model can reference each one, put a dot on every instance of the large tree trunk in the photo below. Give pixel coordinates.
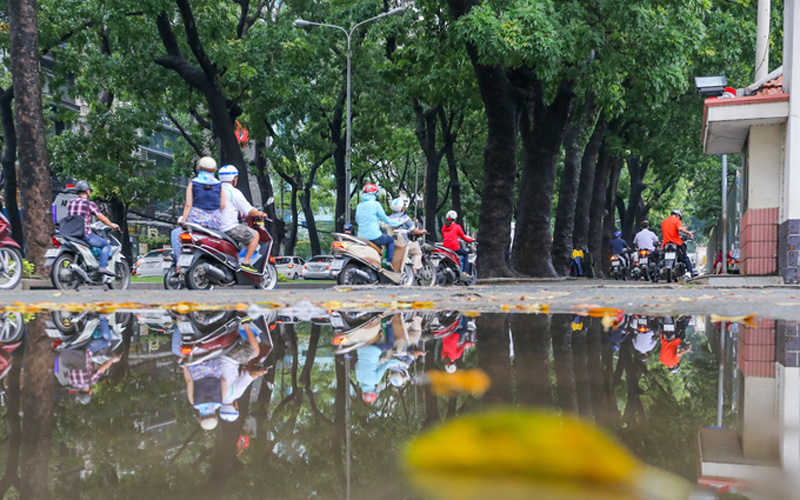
(35, 188)
(609, 222)
(119, 215)
(427, 120)
(275, 226)
(291, 239)
(311, 223)
(542, 129)
(597, 211)
(449, 138)
(575, 140)
(532, 359)
(8, 162)
(499, 164)
(637, 171)
(494, 358)
(583, 203)
(38, 399)
(14, 422)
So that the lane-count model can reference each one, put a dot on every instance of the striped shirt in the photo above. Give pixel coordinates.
(86, 208)
(85, 378)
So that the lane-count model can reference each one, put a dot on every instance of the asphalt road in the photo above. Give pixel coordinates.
(780, 302)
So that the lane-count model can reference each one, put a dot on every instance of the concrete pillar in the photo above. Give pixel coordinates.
(762, 40)
(789, 214)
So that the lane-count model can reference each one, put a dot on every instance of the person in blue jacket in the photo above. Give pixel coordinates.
(370, 370)
(369, 213)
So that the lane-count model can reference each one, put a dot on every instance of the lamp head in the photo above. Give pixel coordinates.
(710, 86)
(301, 23)
(396, 11)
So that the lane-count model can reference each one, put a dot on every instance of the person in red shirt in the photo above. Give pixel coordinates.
(452, 233)
(671, 230)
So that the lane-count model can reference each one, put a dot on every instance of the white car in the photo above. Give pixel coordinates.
(150, 263)
(290, 266)
(319, 268)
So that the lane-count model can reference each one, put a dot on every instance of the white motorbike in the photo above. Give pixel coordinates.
(73, 262)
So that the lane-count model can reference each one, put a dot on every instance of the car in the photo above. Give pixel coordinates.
(319, 268)
(150, 263)
(290, 266)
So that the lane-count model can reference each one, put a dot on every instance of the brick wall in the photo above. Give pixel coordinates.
(756, 349)
(759, 241)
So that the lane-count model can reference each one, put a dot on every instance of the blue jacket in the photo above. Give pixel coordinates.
(369, 369)
(368, 213)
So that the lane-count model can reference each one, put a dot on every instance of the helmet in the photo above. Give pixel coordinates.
(228, 173)
(617, 234)
(228, 413)
(207, 163)
(370, 188)
(678, 213)
(348, 226)
(82, 187)
(369, 397)
(397, 205)
(450, 367)
(397, 379)
(452, 215)
(645, 224)
(209, 422)
(84, 398)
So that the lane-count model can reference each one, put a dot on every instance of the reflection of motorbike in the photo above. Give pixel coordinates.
(358, 261)
(205, 336)
(12, 330)
(355, 330)
(77, 330)
(441, 323)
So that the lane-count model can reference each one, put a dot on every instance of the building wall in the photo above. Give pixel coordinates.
(764, 159)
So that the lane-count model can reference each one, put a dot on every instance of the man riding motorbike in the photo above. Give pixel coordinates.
(414, 251)
(619, 247)
(671, 229)
(368, 215)
(452, 233)
(82, 206)
(236, 204)
(645, 239)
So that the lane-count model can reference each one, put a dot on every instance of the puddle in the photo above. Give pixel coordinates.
(304, 402)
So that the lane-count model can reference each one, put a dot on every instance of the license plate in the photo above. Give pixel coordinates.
(51, 253)
(669, 255)
(166, 264)
(669, 328)
(615, 263)
(185, 327)
(337, 264)
(185, 260)
(643, 260)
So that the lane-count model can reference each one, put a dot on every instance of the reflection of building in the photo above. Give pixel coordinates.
(765, 443)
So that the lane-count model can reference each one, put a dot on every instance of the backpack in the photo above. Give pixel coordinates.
(73, 226)
(67, 361)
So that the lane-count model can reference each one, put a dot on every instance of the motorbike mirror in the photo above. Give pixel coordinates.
(269, 201)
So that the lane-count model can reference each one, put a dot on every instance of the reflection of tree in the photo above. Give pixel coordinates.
(14, 439)
(431, 401)
(494, 356)
(580, 367)
(532, 358)
(594, 369)
(562, 361)
(37, 407)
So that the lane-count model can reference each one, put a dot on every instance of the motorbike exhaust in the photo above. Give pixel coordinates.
(214, 273)
(80, 272)
(361, 276)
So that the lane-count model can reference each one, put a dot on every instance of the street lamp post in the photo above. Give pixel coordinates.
(302, 23)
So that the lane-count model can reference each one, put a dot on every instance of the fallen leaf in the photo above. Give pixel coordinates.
(332, 304)
(748, 320)
(422, 305)
(474, 382)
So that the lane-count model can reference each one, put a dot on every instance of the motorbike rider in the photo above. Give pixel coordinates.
(84, 207)
(370, 368)
(414, 251)
(81, 373)
(619, 247)
(452, 233)
(348, 228)
(671, 229)
(204, 201)
(368, 215)
(646, 239)
(236, 204)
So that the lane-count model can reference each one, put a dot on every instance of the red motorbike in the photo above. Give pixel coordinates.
(444, 266)
(210, 257)
(10, 257)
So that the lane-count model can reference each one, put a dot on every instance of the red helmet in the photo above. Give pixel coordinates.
(370, 188)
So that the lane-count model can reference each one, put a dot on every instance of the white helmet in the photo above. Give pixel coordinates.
(397, 379)
(207, 163)
(450, 368)
(397, 205)
(452, 214)
(228, 413)
(228, 173)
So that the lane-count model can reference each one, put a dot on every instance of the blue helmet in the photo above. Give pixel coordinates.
(348, 226)
(617, 234)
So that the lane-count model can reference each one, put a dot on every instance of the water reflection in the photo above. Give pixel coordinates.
(302, 402)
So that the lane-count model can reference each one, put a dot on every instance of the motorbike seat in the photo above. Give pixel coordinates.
(377, 248)
(77, 241)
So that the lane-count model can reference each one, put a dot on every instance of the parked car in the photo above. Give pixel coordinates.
(150, 263)
(290, 266)
(319, 268)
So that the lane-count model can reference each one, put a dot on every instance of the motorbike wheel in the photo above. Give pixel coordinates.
(61, 276)
(474, 271)
(172, 280)
(11, 327)
(427, 275)
(269, 279)
(196, 278)
(10, 268)
(345, 275)
(407, 276)
(122, 280)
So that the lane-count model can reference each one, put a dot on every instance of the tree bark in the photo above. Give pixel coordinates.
(8, 162)
(597, 210)
(38, 399)
(311, 223)
(575, 141)
(609, 222)
(494, 358)
(275, 226)
(427, 120)
(583, 203)
(563, 362)
(35, 188)
(449, 139)
(119, 215)
(542, 129)
(637, 170)
(499, 163)
(291, 239)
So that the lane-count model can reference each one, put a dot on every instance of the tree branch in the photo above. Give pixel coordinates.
(193, 38)
(185, 134)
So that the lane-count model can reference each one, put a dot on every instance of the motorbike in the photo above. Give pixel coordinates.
(645, 266)
(10, 257)
(619, 267)
(75, 331)
(211, 257)
(172, 278)
(445, 265)
(357, 261)
(353, 331)
(672, 268)
(202, 336)
(12, 331)
(73, 262)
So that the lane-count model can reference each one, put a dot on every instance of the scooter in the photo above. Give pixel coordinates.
(172, 278)
(353, 331)
(358, 261)
(211, 257)
(205, 336)
(644, 266)
(672, 267)
(446, 265)
(73, 262)
(76, 331)
(619, 267)
(10, 257)
(12, 331)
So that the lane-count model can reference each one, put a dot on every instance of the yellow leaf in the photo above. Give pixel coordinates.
(471, 314)
(748, 320)
(332, 304)
(474, 382)
(422, 305)
(343, 289)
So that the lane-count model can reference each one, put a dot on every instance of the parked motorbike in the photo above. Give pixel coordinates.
(672, 267)
(358, 261)
(446, 267)
(619, 267)
(211, 257)
(645, 266)
(73, 262)
(10, 257)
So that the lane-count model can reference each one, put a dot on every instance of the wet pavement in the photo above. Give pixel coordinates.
(300, 401)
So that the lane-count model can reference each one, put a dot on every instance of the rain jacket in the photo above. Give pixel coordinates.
(369, 369)
(368, 214)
